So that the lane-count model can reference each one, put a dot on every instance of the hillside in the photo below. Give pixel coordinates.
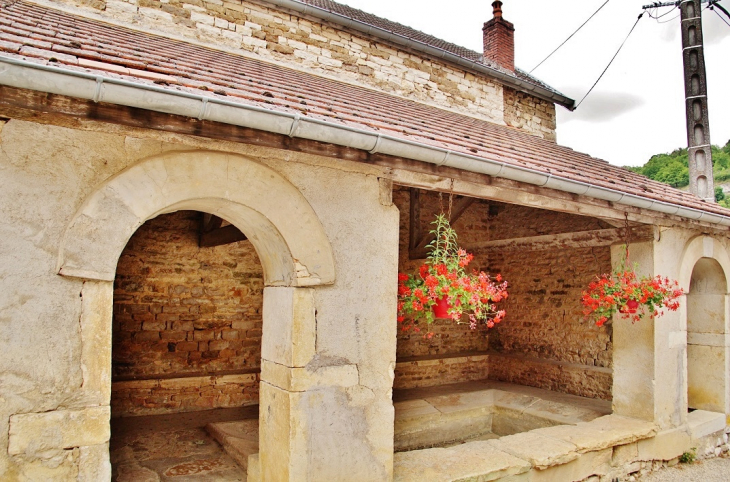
(672, 169)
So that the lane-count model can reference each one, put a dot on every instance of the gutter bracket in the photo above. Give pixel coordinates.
(97, 90)
(374, 150)
(294, 125)
(446, 158)
(203, 109)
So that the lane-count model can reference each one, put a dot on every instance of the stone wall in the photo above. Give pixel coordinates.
(182, 310)
(550, 343)
(529, 113)
(309, 43)
(55, 367)
(544, 340)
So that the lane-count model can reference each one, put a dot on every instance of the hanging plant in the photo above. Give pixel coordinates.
(623, 291)
(442, 288)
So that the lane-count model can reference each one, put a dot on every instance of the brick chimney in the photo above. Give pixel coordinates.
(499, 39)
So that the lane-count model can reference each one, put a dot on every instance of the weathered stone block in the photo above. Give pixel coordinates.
(302, 379)
(34, 433)
(665, 445)
(290, 326)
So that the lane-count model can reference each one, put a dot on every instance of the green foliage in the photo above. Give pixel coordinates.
(672, 168)
(688, 457)
(719, 194)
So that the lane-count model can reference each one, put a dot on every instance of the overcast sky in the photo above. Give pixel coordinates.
(637, 109)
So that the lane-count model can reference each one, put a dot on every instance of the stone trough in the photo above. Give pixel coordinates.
(445, 416)
(490, 430)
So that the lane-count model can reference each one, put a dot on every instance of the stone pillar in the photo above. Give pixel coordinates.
(302, 396)
(650, 355)
(633, 348)
(288, 342)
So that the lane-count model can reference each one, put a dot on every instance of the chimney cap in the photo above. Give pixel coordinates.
(497, 9)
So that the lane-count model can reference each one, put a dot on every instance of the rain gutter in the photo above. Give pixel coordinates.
(505, 78)
(27, 75)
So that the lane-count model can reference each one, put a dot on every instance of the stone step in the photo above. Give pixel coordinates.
(240, 439)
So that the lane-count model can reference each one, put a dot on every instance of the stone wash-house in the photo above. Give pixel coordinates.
(205, 205)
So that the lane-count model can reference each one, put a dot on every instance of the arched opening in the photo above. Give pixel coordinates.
(186, 347)
(291, 246)
(706, 328)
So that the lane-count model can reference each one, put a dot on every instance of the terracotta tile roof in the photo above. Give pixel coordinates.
(55, 38)
(418, 36)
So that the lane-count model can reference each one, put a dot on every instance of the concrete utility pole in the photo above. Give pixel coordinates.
(701, 181)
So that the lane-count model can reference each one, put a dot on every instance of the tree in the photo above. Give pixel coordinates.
(719, 194)
(672, 168)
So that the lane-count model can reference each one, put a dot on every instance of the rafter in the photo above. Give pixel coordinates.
(580, 239)
(212, 234)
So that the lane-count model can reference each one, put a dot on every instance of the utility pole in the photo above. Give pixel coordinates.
(699, 149)
(701, 181)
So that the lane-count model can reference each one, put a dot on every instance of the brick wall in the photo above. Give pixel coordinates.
(544, 340)
(180, 313)
(309, 43)
(430, 371)
(499, 42)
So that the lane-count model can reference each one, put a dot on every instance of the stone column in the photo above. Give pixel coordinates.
(650, 354)
(633, 348)
(298, 392)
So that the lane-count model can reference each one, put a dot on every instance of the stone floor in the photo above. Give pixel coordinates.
(173, 448)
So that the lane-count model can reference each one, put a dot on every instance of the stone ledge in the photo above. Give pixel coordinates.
(601, 433)
(702, 423)
(542, 452)
(185, 382)
(471, 461)
(430, 360)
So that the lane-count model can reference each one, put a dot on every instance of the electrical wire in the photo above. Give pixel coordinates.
(670, 20)
(571, 36)
(611, 61)
(722, 9)
(721, 17)
(662, 15)
(716, 3)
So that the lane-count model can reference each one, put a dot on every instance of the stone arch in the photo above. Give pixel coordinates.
(703, 275)
(289, 239)
(282, 226)
(697, 248)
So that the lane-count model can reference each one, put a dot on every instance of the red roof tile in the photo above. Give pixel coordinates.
(76, 43)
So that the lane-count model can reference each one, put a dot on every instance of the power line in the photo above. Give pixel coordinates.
(571, 36)
(660, 16)
(721, 18)
(716, 3)
(612, 59)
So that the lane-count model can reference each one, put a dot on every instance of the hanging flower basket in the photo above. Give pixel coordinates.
(442, 288)
(441, 307)
(623, 291)
(631, 307)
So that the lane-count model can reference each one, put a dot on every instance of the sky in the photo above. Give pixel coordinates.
(637, 109)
